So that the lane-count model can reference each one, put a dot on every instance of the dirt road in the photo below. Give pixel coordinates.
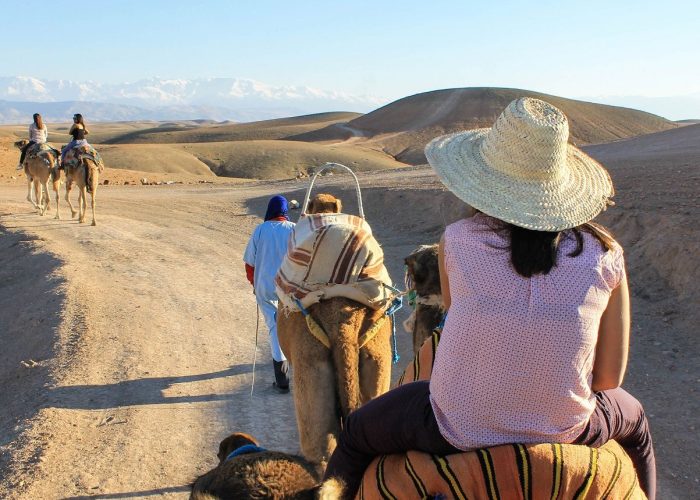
(128, 346)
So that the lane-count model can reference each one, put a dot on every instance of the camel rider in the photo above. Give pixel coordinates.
(263, 256)
(38, 134)
(78, 132)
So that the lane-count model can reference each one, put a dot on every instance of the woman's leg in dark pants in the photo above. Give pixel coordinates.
(24, 151)
(620, 416)
(398, 421)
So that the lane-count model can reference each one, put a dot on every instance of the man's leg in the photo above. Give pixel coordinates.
(619, 416)
(279, 361)
(398, 421)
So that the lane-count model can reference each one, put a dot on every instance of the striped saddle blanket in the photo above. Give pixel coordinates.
(333, 255)
(538, 471)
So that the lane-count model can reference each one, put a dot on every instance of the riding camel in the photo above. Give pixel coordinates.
(330, 380)
(41, 167)
(82, 166)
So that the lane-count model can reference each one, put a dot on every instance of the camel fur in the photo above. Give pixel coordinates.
(327, 384)
(423, 275)
(40, 169)
(262, 474)
(86, 177)
(324, 204)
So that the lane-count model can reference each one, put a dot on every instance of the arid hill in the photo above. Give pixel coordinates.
(657, 181)
(403, 127)
(263, 130)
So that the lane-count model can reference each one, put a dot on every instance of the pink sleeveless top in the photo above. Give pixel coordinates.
(514, 363)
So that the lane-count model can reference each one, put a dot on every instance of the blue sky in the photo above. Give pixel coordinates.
(385, 49)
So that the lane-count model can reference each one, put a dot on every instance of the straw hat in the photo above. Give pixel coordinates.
(522, 170)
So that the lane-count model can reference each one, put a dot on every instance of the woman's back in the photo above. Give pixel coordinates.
(37, 135)
(526, 345)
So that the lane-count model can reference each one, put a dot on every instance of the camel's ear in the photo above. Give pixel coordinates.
(338, 206)
(310, 207)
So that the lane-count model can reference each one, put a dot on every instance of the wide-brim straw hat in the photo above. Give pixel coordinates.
(523, 170)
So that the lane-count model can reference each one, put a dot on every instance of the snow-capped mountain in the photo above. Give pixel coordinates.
(227, 98)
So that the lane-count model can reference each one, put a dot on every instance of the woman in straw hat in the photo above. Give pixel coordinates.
(535, 344)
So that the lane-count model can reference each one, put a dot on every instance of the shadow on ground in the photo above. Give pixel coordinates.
(144, 391)
(31, 300)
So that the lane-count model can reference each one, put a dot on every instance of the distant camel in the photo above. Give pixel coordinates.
(40, 167)
(423, 277)
(82, 168)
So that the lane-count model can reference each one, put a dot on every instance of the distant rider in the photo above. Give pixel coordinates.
(78, 131)
(38, 134)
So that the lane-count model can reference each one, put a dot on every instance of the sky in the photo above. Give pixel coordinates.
(595, 49)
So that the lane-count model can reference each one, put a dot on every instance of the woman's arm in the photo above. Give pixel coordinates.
(613, 341)
(444, 283)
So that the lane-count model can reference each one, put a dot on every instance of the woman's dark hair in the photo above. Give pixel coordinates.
(535, 252)
(38, 121)
(78, 118)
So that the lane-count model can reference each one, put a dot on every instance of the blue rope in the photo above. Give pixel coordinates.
(301, 308)
(243, 450)
(396, 304)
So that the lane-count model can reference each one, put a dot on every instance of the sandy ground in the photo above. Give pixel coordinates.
(128, 347)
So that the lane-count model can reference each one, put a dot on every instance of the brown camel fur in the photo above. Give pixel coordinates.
(40, 169)
(329, 384)
(324, 204)
(263, 474)
(424, 274)
(85, 175)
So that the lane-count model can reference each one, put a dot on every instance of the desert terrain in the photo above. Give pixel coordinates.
(128, 347)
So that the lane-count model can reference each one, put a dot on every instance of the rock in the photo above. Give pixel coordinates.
(144, 181)
(105, 182)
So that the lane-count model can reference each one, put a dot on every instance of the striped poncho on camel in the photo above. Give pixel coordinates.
(333, 255)
(513, 471)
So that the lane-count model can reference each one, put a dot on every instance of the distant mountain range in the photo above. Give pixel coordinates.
(162, 99)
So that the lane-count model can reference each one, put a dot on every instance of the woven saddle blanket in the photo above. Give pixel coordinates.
(515, 471)
(77, 153)
(333, 255)
(42, 150)
(536, 471)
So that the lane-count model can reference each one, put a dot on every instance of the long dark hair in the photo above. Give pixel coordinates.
(535, 252)
(38, 121)
(78, 118)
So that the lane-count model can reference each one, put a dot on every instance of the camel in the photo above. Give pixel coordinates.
(84, 171)
(330, 382)
(40, 168)
(247, 471)
(423, 277)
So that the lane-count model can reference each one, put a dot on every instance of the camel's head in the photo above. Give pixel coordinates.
(423, 271)
(233, 442)
(324, 204)
(21, 143)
